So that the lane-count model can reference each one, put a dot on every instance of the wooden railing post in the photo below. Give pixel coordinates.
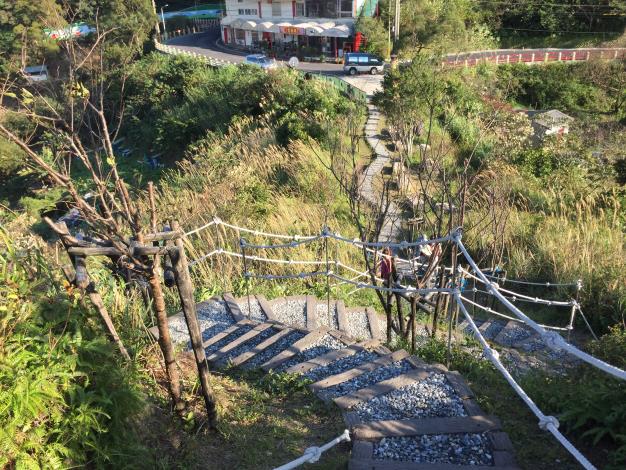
(188, 303)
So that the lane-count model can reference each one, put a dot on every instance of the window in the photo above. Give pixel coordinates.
(363, 59)
(276, 8)
(345, 7)
(247, 11)
(240, 35)
(300, 9)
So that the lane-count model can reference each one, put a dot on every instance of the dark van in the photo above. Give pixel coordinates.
(360, 62)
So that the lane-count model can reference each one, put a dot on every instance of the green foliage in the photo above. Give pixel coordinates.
(590, 402)
(174, 101)
(64, 398)
(568, 87)
(283, 384)
(377, 39)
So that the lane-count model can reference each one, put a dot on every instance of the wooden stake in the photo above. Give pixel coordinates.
(185, 290)
(160, 313)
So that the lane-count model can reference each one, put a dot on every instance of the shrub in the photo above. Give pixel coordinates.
(64, 398)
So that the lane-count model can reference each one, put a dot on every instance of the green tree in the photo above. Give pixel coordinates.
(376, 35)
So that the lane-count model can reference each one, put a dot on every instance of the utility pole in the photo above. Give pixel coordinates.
(389, 28)
(396, 25)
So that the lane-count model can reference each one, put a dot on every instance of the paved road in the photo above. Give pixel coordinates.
(205, 44)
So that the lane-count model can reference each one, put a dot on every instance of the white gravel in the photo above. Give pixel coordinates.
(431, 397)
(325, 344)
(291, 312)
(368, 378)
(456, 449)
(327, 317)
(493, 329)
(254, 312)
(513, 335)
(358, 325)
(274, 349)
(341, 365)
(213, 317)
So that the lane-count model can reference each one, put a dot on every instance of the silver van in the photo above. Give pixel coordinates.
(360, 62)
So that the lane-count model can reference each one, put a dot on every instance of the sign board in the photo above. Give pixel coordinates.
(292, 30)
(75, 30)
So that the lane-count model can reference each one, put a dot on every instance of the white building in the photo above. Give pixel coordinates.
(302, 27)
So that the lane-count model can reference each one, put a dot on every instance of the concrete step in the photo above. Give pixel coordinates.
(281, 332)
(332, 356)
(217, 355)
(357, 371)
(491, 328)
(513, 332)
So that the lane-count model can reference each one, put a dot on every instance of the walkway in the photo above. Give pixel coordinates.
(402, 413)
(392, 226)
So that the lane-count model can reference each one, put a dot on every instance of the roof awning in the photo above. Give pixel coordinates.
(293, 28)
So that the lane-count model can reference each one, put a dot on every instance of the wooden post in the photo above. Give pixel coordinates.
(185, 290)
(88, 287)
(401, 325)
(160, 312)
(413, 322)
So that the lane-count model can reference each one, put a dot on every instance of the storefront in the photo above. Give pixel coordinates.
(284, 37)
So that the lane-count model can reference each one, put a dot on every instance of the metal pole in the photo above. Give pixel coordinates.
(242, 245)
(570, 327)
(327, 271)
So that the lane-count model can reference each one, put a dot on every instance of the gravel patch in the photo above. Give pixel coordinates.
(513, 335)
(493, 329)
(291, 312)
(456, 449)
(254, 312)
(365, 380)
(431, 397)
(276, 348)
(213, 318)
(468, 328)
(358, 325)
(250, 344)
(534, 344)
(327, 317)
(325, 344)
(341, 365)
(227, 339)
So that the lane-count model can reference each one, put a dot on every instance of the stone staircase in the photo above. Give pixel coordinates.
(402, 412)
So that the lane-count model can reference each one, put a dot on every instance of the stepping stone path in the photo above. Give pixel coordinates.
(402, 412)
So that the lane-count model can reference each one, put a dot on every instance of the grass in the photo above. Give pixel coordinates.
(534, 449)
(264, 422)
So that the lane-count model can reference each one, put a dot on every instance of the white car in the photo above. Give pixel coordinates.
(262, 61)
(36, 73)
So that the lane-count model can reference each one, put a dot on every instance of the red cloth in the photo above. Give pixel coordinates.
(385, 267)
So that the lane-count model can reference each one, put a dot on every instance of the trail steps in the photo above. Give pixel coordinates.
(402, 412)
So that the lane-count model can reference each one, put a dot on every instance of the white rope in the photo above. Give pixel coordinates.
(291, 244)
(529, 283)
(514, 298)
(493, 312)
(552, 339)
(313, 454)
(403, 290)
(403, 244)
(519, 296)
(266, 234)
(199, 229)
(547, 423)
(273, 277)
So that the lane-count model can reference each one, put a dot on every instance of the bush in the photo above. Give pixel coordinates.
(591, 402)
(64, 399)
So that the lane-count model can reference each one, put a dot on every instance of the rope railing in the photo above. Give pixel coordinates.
(517, 295)
(546, 423)
(313, 454)
(551, 338)
(533, 283)
(508, 317)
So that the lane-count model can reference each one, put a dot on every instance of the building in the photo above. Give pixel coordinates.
(307, 28)
(552, 122)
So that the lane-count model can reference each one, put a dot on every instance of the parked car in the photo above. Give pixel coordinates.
(36, 73)
(262, 61)
(360, 62)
